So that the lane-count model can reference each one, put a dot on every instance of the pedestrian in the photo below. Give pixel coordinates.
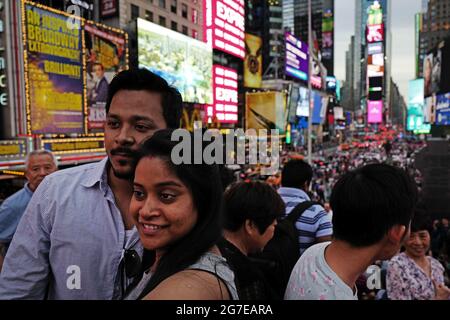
(73, 235)
(38, 164)
(251, 212)
(372, 209)
(314, 225)
(178, 212)
(412, 274)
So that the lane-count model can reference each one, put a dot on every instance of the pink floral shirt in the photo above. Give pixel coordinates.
(407, 281)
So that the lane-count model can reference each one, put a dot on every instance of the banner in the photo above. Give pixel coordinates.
(105, 57)
(53, 71)
(253, 61)
(266, 110)
(443, 109)
(374, 111)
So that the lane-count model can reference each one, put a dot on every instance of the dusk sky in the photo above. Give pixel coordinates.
(402, 30)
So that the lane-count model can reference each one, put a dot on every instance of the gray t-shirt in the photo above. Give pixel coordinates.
(208, 262)
(313, 279)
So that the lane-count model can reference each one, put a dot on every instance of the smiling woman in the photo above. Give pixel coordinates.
(178, 213)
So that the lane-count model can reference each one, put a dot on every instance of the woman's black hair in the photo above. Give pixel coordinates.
(204, 182)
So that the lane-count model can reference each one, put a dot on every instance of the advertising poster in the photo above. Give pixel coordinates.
(375, 111)
(225, 88)
(303, 102)
(54, 77)
(105, 57)
(266, 110)
(427, 73)
(429, 110)
(183, 62)
(318, 108)
(443, 109)
(224, 26)
(253, 61)
(415, 108)
(296, 57)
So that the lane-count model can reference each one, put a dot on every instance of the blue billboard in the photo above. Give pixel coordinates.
(416, 103)
(443, 109)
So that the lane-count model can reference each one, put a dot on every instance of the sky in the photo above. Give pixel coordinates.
(402, 30)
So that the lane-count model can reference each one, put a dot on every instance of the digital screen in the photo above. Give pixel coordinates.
(443, 109)
(375, 111)
(296, 57)
(303, 102)
(374, 48)
(224, 26)
(183, 62)
(225, 88)
(375, 33)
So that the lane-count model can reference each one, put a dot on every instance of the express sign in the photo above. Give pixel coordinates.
(225, 88)
(224, 26)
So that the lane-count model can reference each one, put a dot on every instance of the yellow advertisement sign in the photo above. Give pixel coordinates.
(253, 61)
(266, 110)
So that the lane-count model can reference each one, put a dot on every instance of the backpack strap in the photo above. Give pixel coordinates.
(298, 210)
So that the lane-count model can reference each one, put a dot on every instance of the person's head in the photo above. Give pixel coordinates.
(445, 222)
(327, 206)
(177, 208)
(38, 165)
(251, 212)
(139, 103)
(98, 70)
(373, 206)
(418, 242)
(296, 174)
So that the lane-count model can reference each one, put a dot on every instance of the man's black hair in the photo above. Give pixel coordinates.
(143, 79)
(368, 201)
(256, 201)
(295, 173)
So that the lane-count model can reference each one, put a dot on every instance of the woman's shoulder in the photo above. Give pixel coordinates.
(398, 260)
(436, 264)
(190, 284)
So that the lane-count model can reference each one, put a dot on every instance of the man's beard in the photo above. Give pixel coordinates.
(132, 162)
(128, 175)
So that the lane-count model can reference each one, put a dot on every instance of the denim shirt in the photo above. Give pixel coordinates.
(70, 240)
(11, 211)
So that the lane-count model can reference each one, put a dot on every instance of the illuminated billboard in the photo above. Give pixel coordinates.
(375, 14)
(375, 33)
(253, 61)
(225, 87)
(375, 48)
(183, 62)
(415, 112)
(296, 57)
(106, 55)
(302, 102)
(266, 110)
(224, 25)
(53, 72)
(443, 109)
(374, 111)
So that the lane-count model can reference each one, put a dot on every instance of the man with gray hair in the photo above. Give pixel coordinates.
(38, 164)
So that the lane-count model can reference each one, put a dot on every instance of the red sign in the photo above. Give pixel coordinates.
(375, 33)
(109, 8)
(225, 88)
(224, 26)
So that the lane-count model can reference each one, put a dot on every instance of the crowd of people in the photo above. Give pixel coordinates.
(138, 225)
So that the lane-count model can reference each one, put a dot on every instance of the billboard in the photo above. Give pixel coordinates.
(265, 110)
(375, 14)
(429, 110)
(319, 108)
(415, 112)
(253, 61)
(374, 111)
(443, 109)
(302, 102)
(296, 57)
(225, 88)
(375, 33)
(109, 8)
(106, 55)
(53, 72)
(224, 25)
(183, 62)
(375, 48)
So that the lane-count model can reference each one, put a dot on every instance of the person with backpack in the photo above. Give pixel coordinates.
(372, 211)
(314, 224)
(251, 212)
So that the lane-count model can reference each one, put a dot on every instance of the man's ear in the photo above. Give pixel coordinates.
(249, 227)
(397, 234)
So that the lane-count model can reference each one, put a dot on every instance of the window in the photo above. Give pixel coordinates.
(173, 7)
(174, 26)
(134, 12)
(149, 15)
(195, 16)
(162, 21)
(185, 30)
(162, 3)
(184, 11)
